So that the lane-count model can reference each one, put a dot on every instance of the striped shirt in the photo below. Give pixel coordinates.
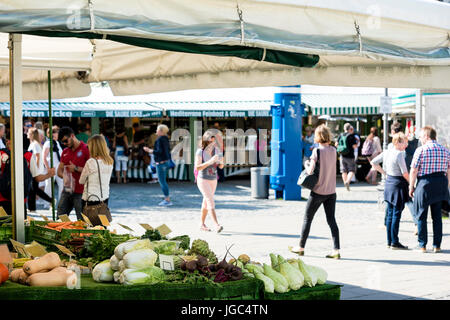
(430, 158)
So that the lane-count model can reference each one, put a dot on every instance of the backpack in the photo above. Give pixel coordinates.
(342, 147)
(368, 148)
(5, 176)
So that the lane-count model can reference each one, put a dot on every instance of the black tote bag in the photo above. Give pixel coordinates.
(309, 181)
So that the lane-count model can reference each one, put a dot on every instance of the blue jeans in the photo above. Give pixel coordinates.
(410, 206)
(161, 171)
(392, 223)
(436, 216)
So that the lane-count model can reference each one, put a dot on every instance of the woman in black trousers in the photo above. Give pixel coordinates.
(324, 192)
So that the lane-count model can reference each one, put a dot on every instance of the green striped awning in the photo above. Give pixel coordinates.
(345, 110)
(342, 104)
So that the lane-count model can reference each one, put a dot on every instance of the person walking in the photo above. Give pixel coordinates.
(37, 157)
(208, 158)
(324, 192)
(430, 167)
(413, 144)
(57, 152)
(73, 159)
(96, 174)
(395, 187)
(347, 143)
(120, 147)
(161, 153)
(371, 149)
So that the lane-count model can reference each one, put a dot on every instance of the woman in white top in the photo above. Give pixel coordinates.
(37, 157)
(57, 151)
(35, 148)
(96, 186)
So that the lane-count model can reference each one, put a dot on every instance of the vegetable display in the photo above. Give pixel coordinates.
(45, 271)
(284, 275)
(48, 261)
(201, 247)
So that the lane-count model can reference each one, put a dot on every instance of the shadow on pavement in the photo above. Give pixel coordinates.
(405, 262)
(278, 235)
(352, 292)
(357, 201)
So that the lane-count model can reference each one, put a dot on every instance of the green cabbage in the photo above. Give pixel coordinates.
(320, 273)
(102, 272)
(116, 276)
(114, 263)
(167, 247)
(269, 285)
(280, 282)
(252, 267)
(310, 277)
(138, 259)
(125, 247)
(149, 275)
(294, 277)
(274, 262)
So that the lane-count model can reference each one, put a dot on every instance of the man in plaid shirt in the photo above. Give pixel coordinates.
(431, 168)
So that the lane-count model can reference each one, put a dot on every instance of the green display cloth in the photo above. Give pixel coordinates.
(247, 289)
(318, 292)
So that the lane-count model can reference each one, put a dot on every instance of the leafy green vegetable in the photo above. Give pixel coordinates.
(147, 275)
(167, 247)
(153, 235)
(185, 241)
(100, 246)
(280, 282)
(179, 276)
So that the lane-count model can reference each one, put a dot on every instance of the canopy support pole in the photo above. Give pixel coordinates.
(385, 126)
(419, 111)
(16, 120)
(50, 125)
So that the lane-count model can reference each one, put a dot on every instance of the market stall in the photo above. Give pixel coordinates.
(77, 261)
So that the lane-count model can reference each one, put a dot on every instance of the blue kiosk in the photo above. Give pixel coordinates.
(286, 143)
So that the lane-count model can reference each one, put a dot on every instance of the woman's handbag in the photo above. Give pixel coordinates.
(93, 211)
(309, 181)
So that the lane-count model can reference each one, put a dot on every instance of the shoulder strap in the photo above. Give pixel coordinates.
(99, 179)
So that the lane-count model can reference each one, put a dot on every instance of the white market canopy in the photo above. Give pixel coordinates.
(156, 46)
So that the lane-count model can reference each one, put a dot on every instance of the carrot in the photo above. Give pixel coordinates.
(58, 224)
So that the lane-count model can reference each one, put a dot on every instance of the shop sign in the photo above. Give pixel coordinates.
(218, 114)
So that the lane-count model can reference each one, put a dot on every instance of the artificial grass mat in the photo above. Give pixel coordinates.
(246, 289)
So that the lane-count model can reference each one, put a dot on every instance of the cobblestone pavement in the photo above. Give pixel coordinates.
(367, 269)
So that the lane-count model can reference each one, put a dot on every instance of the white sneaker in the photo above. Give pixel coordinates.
(165, 203)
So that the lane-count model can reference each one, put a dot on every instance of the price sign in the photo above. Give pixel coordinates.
(125, 227)
(35, 249)
(65, 250)
(2, 212)
(20, 248)
(86, 219)
(166, 262)
(385, 104)
(164, 230)
(64, 218)
(146, 226)
(103, 220)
